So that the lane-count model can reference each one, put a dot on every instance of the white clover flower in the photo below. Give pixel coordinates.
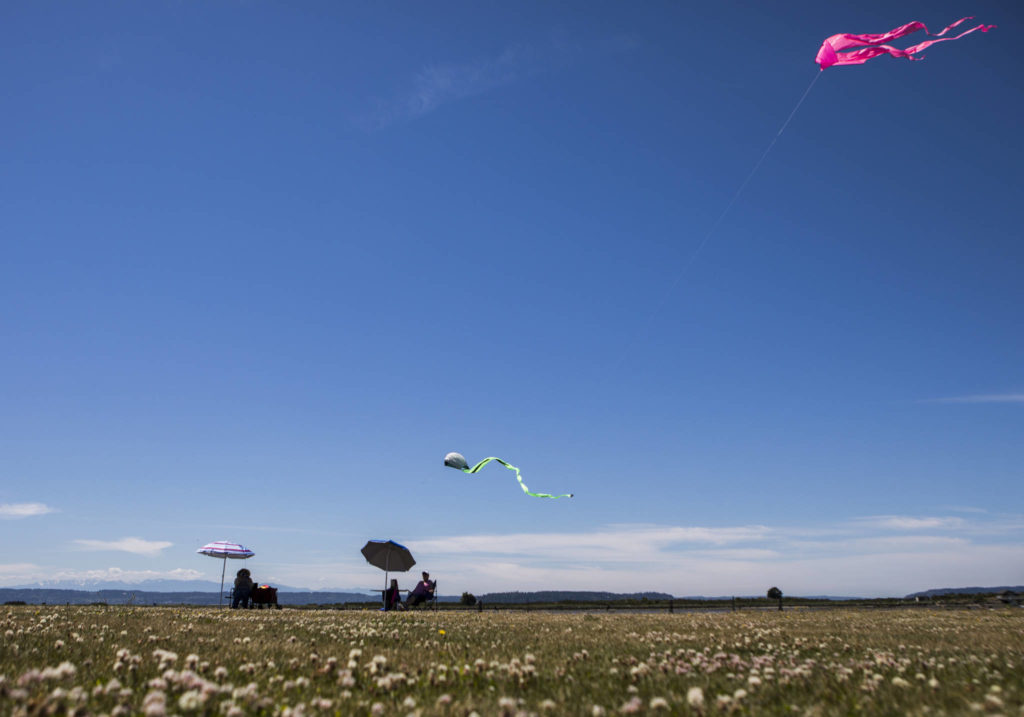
(191, 701)
(65, 670)
(632, 707)
(993, 702)
(640, 670)
(695, 698)
(113, 686)
(660, 703)
(154, 696)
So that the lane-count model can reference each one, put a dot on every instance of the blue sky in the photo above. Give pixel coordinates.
(265, 264)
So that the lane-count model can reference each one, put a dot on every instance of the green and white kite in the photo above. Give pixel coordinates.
(458, 461)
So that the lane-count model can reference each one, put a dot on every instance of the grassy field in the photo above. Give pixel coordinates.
(155, 661)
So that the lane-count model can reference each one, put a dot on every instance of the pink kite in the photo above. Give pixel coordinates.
(831, 52)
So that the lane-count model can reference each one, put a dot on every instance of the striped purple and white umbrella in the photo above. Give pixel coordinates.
(225, 549)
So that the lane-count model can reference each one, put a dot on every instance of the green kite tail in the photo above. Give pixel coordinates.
(519, 478)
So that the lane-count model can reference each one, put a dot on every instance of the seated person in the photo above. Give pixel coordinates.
(393, 596)
(423, 591)
(243, 588)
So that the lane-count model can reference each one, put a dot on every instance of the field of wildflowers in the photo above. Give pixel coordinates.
(90, 660)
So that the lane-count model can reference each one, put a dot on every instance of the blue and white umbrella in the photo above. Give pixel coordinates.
(224, 549)
(388, 556)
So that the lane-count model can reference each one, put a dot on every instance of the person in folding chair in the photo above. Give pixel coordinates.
(423, 592)
(393, 597)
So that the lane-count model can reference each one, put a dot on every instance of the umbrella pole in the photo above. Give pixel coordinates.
(221, 599)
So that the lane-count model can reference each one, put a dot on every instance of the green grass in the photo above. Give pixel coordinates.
(125, 660)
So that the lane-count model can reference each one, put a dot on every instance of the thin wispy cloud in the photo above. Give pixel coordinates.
(875, 545)
(23, 510)
(437, 84)
(907, 522)
(138, 546)
(618, 543)
(440, 83)
(9, 571)
(982, 398)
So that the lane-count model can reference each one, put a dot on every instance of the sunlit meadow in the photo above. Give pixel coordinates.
(157, 661)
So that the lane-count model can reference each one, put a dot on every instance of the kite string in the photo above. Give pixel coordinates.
(746, 181)
(693, 257)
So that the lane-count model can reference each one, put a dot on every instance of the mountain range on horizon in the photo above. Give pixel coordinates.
(936, 592)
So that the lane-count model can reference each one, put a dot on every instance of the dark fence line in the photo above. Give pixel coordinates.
(641, 606)
(689, 606)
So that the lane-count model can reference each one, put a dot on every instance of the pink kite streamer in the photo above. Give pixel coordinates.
(831, 52)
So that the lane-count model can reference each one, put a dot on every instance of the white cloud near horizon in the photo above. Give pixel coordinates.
(870, 574)
(873, 556)
(982, 398)
(859, 557)
(616, 543)
(24, 510)
(17, 569)
(138, 546)
(28, 573)
(865, 556)
(908, 522)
